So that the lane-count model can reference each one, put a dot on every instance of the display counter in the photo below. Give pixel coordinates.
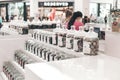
(101, 29)
(8, 44)
(42, 24)
(99, 67)
(112, 44)
(20, 26)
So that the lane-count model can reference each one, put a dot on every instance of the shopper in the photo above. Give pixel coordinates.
(52, 14)
(105, 19)
(85, 20)
(68, 16)
(75, 20)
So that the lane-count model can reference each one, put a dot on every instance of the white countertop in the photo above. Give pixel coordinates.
(103, 27)
(99, 67)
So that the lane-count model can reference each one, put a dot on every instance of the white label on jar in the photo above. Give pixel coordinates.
(53, 39)
(36, 51)
(60, 41)
(36, 36)
(68, 44)
(75, 45)
(47, 39)
(86, 47)
(39, 52)
(40, 37)
(30, 48)
(44, 38)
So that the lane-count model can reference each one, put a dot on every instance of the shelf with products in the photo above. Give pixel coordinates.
(69, 41)
(65, 50)
(16, 65)
(22, 58)
(42, 49)
(4, 33)
(3, 76)
(20, 26)
(33, 56)
(12, 71)
(48, 52)
(44, 24)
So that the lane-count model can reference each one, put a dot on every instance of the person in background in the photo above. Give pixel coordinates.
(0, 22)
(105, 19)
(68, 16)
(52, 14)
(85, 20)
(75, 20)
(93, 18)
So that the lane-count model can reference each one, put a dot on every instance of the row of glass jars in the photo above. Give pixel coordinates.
(43, 36)
(79, 41)
(21, 58)
(45, 52)
(3, 33)
(11, 72)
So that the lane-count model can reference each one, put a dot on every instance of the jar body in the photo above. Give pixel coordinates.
(90, 46)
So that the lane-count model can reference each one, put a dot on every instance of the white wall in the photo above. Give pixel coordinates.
(33, 8)
(78, 6)
(86, 6)
(112, 44)
(8, 44)
(82, 5)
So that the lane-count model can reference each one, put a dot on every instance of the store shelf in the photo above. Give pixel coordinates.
(34, 56)
(100, 67)
(64, 49)
(3, 76)
(18, 67)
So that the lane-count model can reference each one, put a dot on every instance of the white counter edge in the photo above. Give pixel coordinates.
(3, 76)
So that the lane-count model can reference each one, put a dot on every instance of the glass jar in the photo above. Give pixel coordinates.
(78, 40)
(44, 54)
(39, 50)
(40, 36)
(35, 48)
(26, 45)
(48, 55)
(54, 38)
(52, 57)
(91, 43)
(61, 39)
(49, 38)
(46, 38)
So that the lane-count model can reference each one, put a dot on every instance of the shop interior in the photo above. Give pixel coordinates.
(38, 41)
